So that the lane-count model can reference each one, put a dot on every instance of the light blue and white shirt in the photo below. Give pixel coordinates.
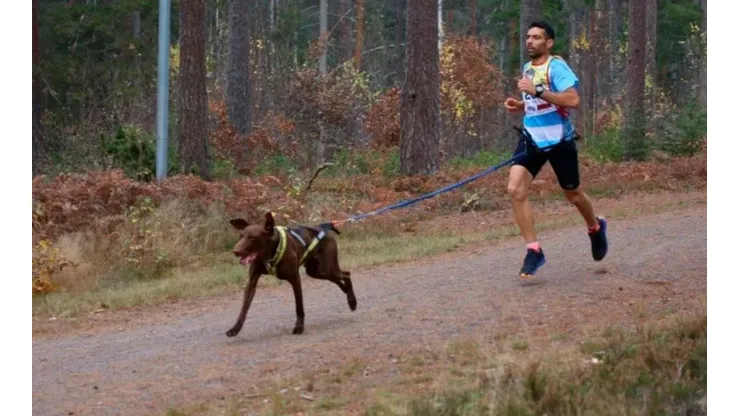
(548, 123)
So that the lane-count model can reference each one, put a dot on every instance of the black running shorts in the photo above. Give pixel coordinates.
(563, 158)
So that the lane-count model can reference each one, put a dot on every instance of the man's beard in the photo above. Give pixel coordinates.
(534, 54)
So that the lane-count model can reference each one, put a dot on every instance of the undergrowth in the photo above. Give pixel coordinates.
(655, 370)
(101, 227)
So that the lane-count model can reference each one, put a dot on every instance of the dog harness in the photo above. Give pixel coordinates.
(271, 264)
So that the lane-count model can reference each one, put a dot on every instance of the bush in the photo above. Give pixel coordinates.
(383, 121)
(482, 159)
(47, 263)
(605, 146)
(135, 151)
(685, 131)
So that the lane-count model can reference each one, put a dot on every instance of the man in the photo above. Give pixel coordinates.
(549, 90)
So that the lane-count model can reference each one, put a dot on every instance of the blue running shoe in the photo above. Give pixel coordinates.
(599, 244)
(532, 261)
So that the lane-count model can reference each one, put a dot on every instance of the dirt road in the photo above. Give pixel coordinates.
(654, 262)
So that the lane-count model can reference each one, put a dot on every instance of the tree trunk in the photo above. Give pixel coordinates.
(634, 138)
(615, 30)
(323, 34)
(651, 36)
(702, 74)
(588, 72)
(601, 43)
(271, 16)
(345, 41)
(420, 101)
(530, 11)
(136, 24)
(360, 33)
(440, 24)
(37, 141)
(399, 35)
(575, 60)
(323, 15)
(238, 87)
(193, 96)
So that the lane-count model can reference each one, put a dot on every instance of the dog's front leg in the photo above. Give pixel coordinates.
(248, 296)
(295, 281)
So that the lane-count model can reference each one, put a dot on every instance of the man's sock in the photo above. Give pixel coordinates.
(595, 228)
(534, 246)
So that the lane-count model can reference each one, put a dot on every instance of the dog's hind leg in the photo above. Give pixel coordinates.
(344, 283)
(295, 281)
(248, 296)
(351, 299)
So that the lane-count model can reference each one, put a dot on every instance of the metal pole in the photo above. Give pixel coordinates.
(163, 88)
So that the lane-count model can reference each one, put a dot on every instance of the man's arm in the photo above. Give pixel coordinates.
(513, 105)
(565, 82)
(568, 98)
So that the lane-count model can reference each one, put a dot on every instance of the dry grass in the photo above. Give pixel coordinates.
(102, 282)
(656, 368)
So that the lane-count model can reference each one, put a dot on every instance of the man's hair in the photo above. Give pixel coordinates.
(544, 25)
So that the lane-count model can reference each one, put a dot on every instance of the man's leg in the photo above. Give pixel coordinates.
(581, 201)
(518, 188)
(521, 175)
(564, 162)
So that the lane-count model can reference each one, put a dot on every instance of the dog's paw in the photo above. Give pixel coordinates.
(232, 332)
(298, 330)
(352, 304)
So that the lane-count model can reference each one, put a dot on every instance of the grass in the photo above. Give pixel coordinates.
(657, 368)
(358, 251)
(122, 294)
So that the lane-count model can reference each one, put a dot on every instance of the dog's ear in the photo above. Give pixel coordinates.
(239, 223)
(269, 222)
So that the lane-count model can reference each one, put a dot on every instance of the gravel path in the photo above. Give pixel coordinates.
(653, 261)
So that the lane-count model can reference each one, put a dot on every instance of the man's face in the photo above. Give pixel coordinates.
(537, 42)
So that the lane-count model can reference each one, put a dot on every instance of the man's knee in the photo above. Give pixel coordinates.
(517, 191)
(519, 180)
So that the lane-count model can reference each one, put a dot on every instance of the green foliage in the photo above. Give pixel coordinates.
(351, 163)
(605, 147)
(392, 166)
(482, 159)
(277, 164)
(345, 163)
(635, 145)
(89, 54)
(684, 132)
(675, 18)
(97, 75)
(134, 151)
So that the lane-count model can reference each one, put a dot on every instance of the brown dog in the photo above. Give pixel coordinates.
(258, 246)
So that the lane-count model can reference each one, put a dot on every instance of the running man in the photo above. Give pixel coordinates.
(549, 90)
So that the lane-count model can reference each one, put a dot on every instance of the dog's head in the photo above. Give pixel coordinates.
(254, 239)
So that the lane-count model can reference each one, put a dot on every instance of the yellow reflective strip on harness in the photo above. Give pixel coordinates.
(279, 253)
(308, 250)
(271, 265)
(312, 246)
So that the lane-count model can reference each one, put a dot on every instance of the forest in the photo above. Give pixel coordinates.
(262, 85)
(264, 93)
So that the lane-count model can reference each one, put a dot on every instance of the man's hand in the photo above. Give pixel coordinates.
(513, 105)
(525, 85)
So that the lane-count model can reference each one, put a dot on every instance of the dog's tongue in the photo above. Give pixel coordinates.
(248, 259)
